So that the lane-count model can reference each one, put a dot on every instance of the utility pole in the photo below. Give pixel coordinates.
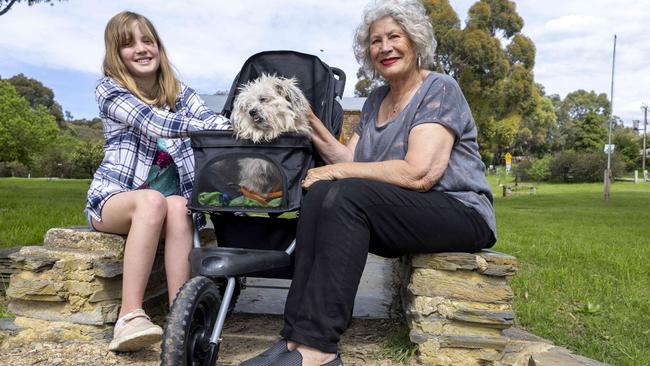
(608, 172)
(645, 124)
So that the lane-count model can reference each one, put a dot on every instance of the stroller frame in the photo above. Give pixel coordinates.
(192, 332)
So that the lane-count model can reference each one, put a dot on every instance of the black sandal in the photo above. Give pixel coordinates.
(294, 358)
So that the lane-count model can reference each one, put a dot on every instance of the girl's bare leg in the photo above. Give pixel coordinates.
(178, 243)
(140, 215)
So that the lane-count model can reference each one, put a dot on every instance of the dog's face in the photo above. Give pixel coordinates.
(269, 106)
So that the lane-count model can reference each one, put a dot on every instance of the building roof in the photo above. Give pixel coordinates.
(349, 104)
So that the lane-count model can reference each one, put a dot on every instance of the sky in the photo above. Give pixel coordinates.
(208, 41)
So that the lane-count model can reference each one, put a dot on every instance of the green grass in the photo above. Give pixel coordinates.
(29, 207)
(397, 346)
(583, 280)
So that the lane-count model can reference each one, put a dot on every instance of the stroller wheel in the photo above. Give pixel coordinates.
(186, 337)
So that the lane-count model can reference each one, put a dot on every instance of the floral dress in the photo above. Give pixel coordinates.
(163, 174)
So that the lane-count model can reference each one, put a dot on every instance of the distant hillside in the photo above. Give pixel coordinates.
(86, 130)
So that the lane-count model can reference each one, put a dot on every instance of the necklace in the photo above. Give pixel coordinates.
(396, 105)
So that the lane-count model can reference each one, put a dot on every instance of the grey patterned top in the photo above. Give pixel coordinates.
(443, 102)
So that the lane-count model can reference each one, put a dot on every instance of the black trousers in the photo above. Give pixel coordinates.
(340, 222)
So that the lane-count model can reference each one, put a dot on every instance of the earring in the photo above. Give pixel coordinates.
(419, 62)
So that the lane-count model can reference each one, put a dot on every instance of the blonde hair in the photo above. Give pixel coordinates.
(118, 33)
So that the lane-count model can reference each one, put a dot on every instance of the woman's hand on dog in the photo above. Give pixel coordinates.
(327, 172)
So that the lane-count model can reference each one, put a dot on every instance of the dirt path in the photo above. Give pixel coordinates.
(244, 337)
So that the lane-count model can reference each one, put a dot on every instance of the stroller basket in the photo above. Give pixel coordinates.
(242, 176)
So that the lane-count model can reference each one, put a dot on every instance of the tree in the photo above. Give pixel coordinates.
(571, 114)
(5, 5)
(38, 94)
(492, 62)
(628, 145)
(535, 133)
(589, 133)
(366, 83)
(577, 104)
(87, 158)
(23, 131)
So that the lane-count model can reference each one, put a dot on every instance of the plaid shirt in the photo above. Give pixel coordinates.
(131, 128)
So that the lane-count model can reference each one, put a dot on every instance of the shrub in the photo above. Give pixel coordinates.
(582, 167)
(13, 169)
(531, 169)
(540, 169)
(520, 169)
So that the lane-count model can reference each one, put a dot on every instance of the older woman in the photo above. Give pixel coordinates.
(410, 180)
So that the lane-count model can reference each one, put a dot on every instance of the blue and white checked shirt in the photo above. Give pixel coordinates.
(131, 128)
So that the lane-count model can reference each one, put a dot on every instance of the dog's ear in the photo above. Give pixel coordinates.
(288, 88)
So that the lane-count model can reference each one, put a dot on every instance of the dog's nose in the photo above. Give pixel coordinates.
(253, 112)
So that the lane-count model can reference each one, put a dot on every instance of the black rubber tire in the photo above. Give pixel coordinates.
(189, 324)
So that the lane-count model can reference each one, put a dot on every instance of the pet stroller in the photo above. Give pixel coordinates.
(255, 232)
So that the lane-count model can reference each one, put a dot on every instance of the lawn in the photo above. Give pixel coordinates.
(29, 207)
(584, 277)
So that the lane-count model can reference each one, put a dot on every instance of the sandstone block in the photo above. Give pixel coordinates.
(32, 258)
(81, 238)
(106, 289)
(107, 268)
(422, 309)
(459, 357)
(34, 286)
(486, 262)
(38, 330)
(89, 314)
(438, 326)
(445, 341)
(560, 356)
(460, 285)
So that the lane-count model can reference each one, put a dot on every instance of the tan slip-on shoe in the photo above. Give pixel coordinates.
(133, 332)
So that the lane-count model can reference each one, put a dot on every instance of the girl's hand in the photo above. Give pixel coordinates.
(327, 172)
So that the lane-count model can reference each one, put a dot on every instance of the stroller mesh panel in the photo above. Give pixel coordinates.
(241, 176)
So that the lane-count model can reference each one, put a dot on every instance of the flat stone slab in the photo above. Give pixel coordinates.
(486, 262)
(460, 285)
(560, 356)
(82, 238)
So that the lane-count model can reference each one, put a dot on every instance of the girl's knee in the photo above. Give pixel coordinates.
(176, 204)
(152, 203)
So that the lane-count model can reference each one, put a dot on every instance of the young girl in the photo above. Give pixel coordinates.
(142, 185)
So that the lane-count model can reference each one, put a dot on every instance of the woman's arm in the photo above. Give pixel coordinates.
(118, 104)
(329, 148)
(429, 149)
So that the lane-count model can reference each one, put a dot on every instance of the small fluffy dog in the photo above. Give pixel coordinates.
(265, 108)
(269, 106)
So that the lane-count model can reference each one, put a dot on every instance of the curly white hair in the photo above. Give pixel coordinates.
(411, 16)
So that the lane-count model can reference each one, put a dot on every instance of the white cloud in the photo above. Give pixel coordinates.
(574, 25)
(208, 41)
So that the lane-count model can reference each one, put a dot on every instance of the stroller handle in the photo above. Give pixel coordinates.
(339, 87)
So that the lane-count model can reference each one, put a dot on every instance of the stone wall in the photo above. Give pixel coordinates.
(70, 288)
(350, 120)
(457, 305)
